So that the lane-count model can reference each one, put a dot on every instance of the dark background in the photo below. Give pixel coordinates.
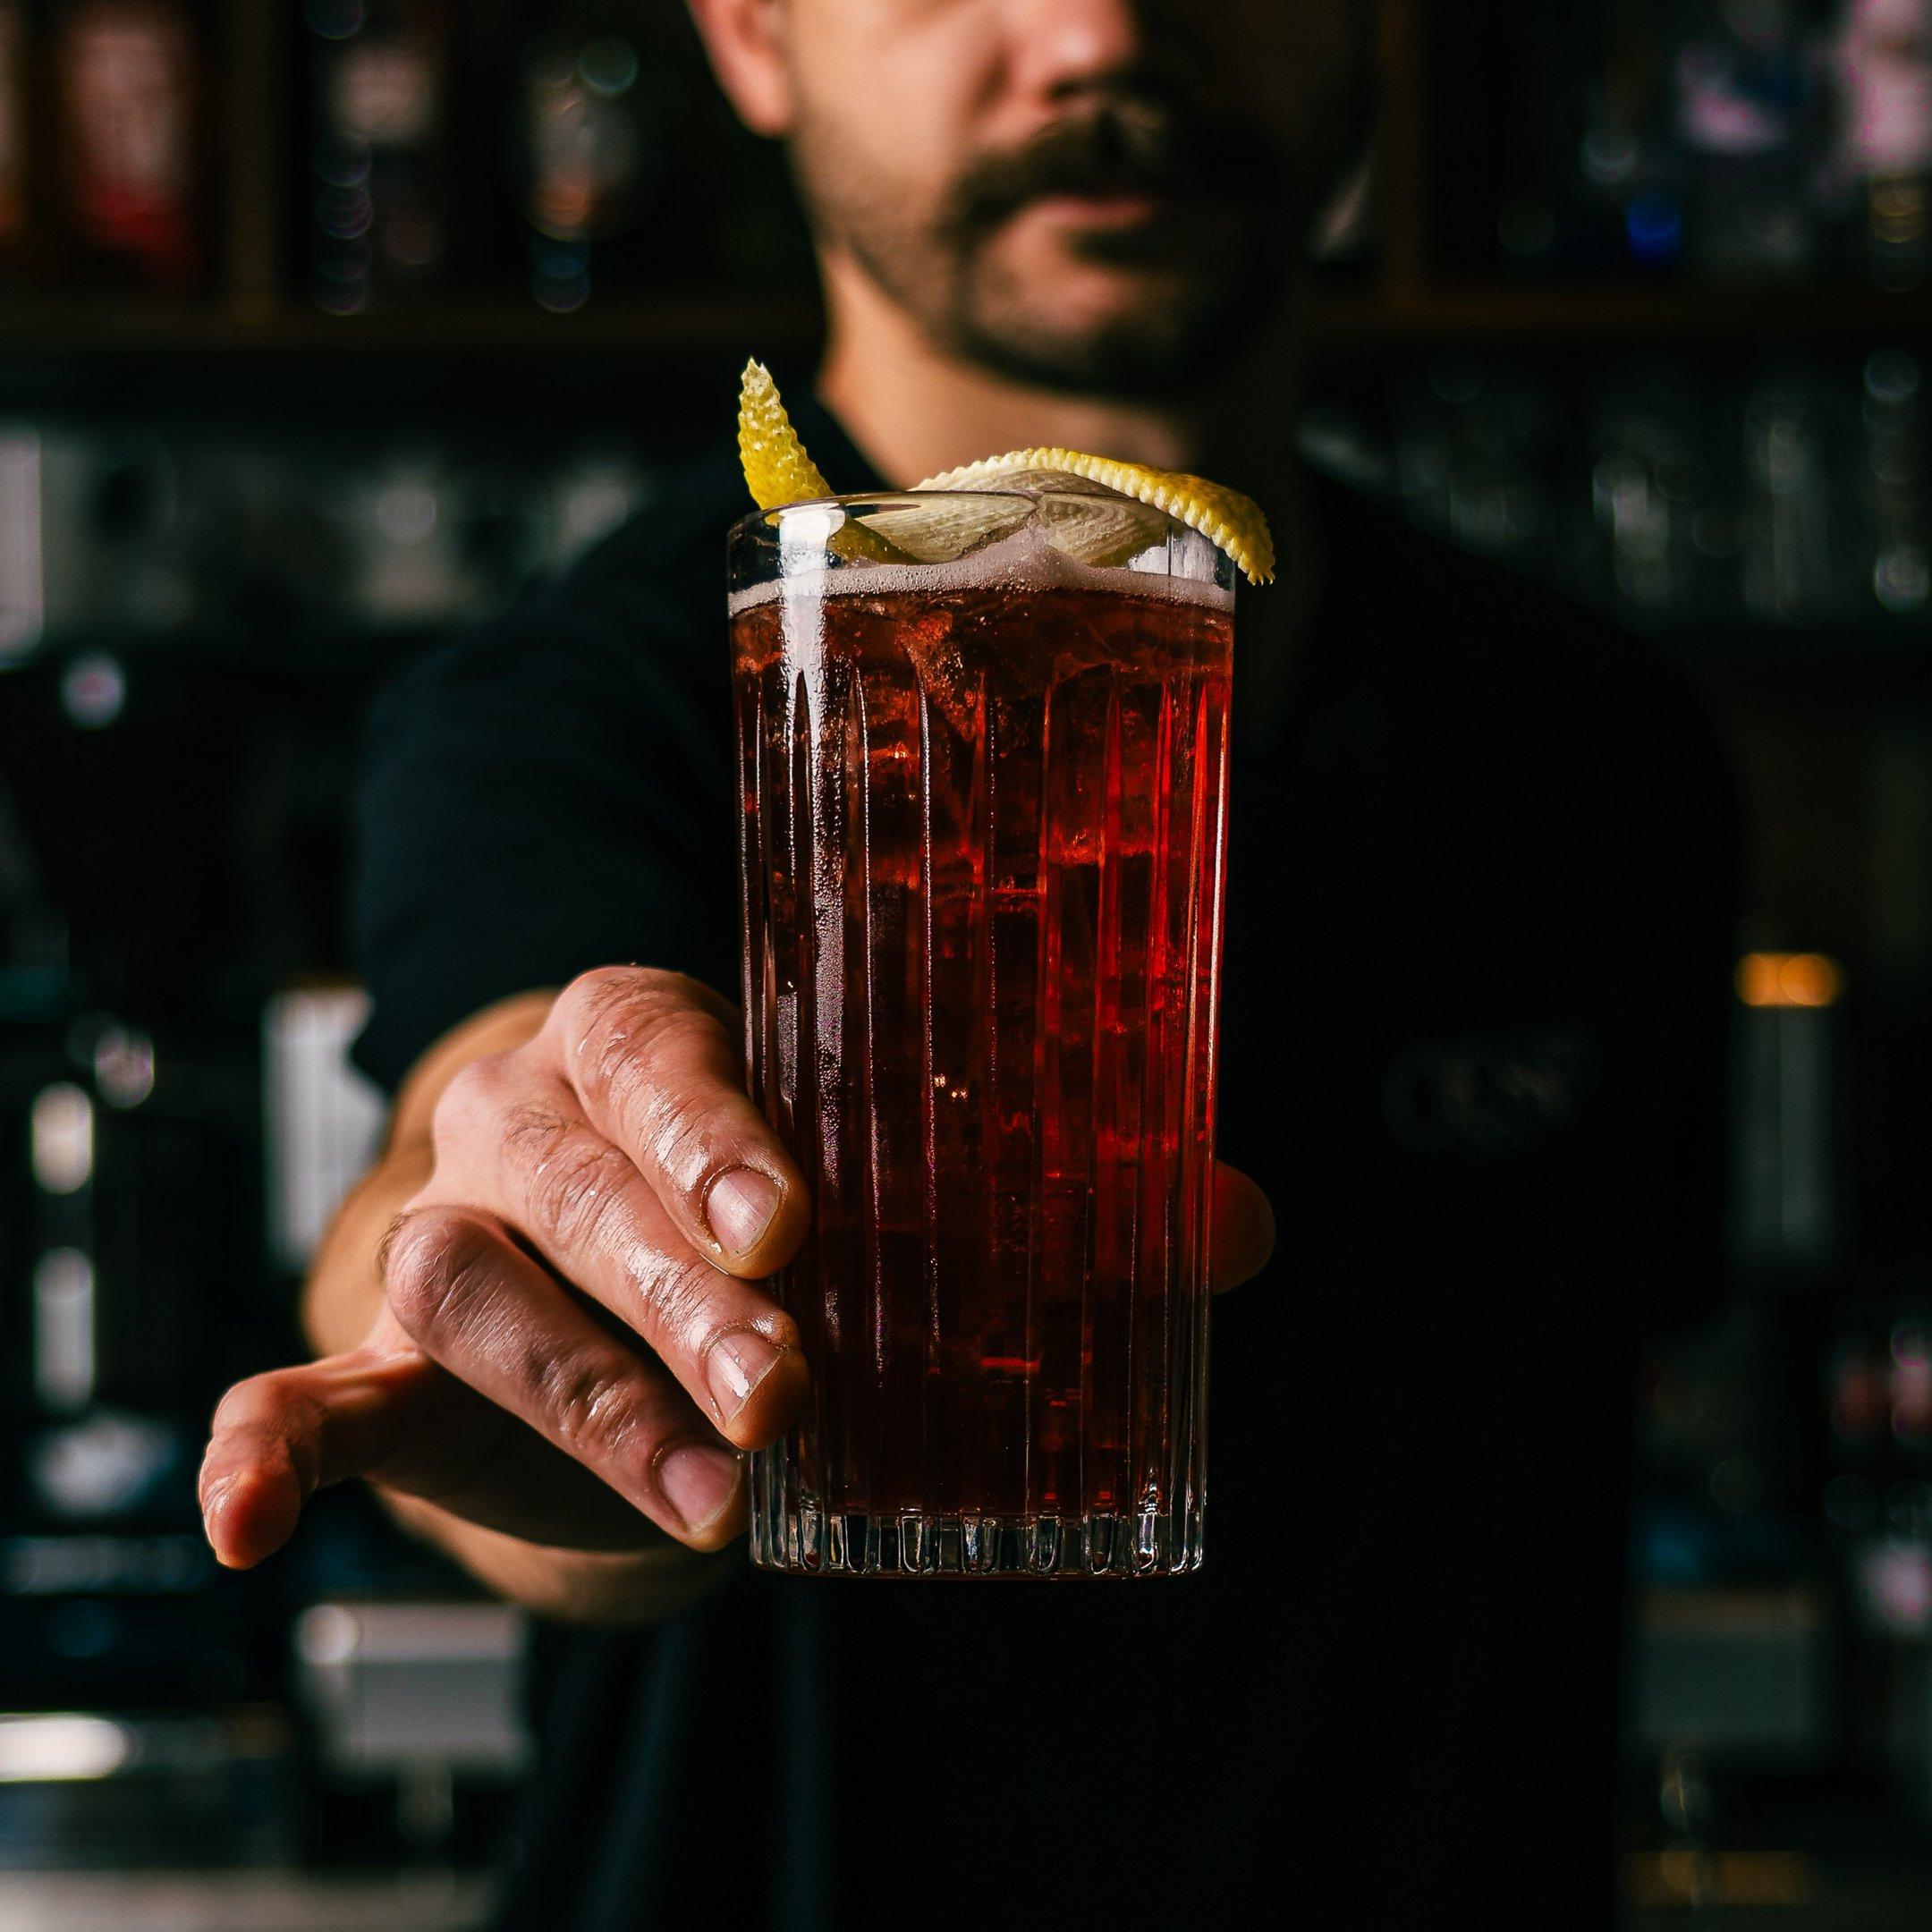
(323, 328)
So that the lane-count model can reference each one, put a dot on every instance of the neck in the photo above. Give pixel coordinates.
(916, 410)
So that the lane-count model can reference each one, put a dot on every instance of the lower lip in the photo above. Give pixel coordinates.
(1115, 210)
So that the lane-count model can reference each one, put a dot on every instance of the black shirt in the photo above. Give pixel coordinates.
(1475, 998)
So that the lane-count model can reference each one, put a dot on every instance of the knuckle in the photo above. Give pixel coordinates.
(249, 1403)
(577, 1182)
(437, 1264)
(588, 1003)
(475, 1095)
(588, 990)
(680, 1297)
(649, 1016)
(530, 1132)
(275, 1416)
(671, 1013)
(593, 1412)
(652, 1050)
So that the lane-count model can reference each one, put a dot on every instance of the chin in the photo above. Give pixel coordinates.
(1083, 296)
(1044, 308)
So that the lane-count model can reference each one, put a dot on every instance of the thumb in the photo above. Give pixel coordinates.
(387, 1414)
(277, 1438)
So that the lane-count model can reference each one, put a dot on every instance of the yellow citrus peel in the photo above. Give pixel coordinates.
(776, 469)
(778, 472)
(1231, 522)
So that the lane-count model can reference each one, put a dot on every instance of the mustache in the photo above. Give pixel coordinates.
(1123, 146)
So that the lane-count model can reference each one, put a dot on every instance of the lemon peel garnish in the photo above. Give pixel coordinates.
(778, 472)
(776, 469)
(1231, 522)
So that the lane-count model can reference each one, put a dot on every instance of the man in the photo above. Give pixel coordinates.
(1474, 1003)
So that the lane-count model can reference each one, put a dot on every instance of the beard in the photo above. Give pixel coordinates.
(1199, 281)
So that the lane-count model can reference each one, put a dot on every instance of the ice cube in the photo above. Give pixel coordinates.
(948, 681)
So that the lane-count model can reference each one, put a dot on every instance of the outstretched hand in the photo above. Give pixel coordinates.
(575, 1345)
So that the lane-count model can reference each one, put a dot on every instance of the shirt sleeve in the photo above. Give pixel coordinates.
(549, 796)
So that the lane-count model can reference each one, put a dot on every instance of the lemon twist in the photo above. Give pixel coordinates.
(776, 469)
(778, 472)
(1231, 522)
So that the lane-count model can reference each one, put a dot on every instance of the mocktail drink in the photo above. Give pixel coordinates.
(984, 822)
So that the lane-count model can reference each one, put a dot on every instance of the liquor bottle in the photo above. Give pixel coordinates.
(1627, 204)
(1894, 422)
(1883, 60)
(16, 143)
(129, 104)
(379, 174)
(597, 95)
(1744, 100)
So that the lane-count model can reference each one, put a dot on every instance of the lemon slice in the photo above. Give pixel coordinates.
(1121, 517)
(1231, 522)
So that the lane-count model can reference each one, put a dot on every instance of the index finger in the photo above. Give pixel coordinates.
(655, 1061)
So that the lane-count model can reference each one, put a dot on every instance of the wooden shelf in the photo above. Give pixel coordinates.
(256, 319)
(683, 322)
(715, 321)
(1618, 316)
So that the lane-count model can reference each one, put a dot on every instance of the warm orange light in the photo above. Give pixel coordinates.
(1789, 979)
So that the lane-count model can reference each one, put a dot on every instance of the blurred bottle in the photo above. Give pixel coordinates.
(379, 171)
(1474, 454)
(1882, 61)
(1892, 417)
(1650, 489)
(1626, 207)
(16, 141)
(1877, 1493)
(590, 142)
(1788, 1111)
(1745, 113)
(1790, 560)
(131, 96)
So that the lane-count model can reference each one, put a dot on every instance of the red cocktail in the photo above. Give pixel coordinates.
(984, 821)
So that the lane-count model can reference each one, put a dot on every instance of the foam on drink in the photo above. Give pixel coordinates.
(1023, 557)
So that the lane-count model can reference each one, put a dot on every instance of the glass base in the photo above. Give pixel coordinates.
(809, 1542)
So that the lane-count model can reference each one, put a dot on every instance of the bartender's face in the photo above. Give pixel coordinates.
(1093, 193)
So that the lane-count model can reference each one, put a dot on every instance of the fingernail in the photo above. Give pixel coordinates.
(737, 1362)
(698, 1482)
(739, 1208)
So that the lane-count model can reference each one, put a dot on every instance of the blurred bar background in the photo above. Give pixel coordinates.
(324, 327)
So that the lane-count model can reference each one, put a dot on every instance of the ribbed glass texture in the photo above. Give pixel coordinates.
(984, 820)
